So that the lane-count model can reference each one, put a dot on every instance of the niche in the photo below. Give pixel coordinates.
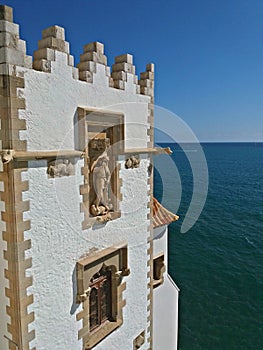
(101, 136)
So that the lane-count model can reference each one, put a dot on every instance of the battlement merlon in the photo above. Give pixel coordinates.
(120, 76)
(12, 48)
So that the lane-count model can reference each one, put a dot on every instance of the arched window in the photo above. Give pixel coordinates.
(100, 289)
(100, 299)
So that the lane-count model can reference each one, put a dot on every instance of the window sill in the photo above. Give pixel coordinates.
(99, 334)
(101, 220)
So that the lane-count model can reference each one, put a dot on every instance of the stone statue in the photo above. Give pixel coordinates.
(60, 167)
(7, 155)
(101, 182)
(132, 162)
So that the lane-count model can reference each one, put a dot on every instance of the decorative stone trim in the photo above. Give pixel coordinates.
(146, 83)
(101, 135)
(139, 341)
(93, 55)
(60, 167)
(12, 48)
(132, 162)
(115, 260)
(53, 39)
(17, 264)
(122, 67)
(150, 260)
(13, 52)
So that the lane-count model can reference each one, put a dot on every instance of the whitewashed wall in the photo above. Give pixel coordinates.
(165, 299)
(58, 240)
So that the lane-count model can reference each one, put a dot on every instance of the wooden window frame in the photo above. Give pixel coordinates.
(97, 284)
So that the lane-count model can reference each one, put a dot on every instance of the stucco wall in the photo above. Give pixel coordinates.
(58, 240)
(165, 299)
(52, 100)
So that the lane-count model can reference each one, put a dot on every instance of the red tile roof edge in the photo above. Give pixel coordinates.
(162, 216)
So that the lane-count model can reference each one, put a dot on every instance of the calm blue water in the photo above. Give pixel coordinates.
(218, 264)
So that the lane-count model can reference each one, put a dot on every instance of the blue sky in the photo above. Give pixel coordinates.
(208, 54)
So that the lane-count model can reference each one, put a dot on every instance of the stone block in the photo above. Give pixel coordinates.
(143, 90)
(125, 67)
(150, 91)
(111, 82)
(14, 101)
(86, 76)
(151, 107)
(121, 75)
(9, 27)
(46, 53)
(55, 32)
(75, 73)
(21, 45)
(8, 40)
(84, 57)
(146, 83)
(71, 60)
(19, 145)
(87, 66)
(95, 57)
(6, 69)
(107, 71)
(135, 79)
(147, 75)
(42, 65)
(119, 84)
(150, 67)
(138, 89)
(54, 43)
(124, 58)
(94, 47)
(28, 62)
(12, 56)
(6, 13)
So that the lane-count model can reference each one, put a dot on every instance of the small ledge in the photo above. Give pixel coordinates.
(157, 283)
(101, 219)
(154, 150)
(38, 155)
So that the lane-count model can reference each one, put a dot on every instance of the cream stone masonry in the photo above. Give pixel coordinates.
(53, 40)
(92, 56)
(12, 54)
(12, 48)
(122, 70)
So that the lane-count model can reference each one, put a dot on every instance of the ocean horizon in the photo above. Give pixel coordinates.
(218, 263)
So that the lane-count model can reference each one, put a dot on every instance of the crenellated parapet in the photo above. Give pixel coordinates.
(53, 40)
(146, 84)
(120, 76)
(12, 48)
(146, 81)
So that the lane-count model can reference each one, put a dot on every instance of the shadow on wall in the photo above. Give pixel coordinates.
(74, 305)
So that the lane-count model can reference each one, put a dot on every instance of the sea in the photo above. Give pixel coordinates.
(218, 263)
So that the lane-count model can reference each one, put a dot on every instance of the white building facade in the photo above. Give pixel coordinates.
(77, 247)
